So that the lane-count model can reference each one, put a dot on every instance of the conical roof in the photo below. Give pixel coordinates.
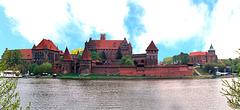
(152, 46)
(85, 55)
(211, 49)
(66, 55)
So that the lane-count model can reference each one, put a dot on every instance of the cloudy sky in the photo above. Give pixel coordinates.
(174, 25)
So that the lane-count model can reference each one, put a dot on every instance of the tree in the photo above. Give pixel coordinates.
(75, 51)
(46, 68)
(168, 60)
(21, 68)
(126, 60)
(36, 70)
(227, 62)
(28, 65)
(12, 57)
(232, 92)
(9, 98)
(94, 55)
(60, 58)
(182, 58)
(119, 54)
(31, 69)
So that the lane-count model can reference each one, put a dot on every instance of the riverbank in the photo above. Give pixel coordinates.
(117, 77)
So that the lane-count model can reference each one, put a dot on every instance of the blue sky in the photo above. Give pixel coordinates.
(174, 25)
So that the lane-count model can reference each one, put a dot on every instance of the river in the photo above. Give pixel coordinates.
(163, 94)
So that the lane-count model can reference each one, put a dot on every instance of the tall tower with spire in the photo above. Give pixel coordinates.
(211, 50)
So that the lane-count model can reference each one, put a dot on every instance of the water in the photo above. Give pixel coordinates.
(170, 94)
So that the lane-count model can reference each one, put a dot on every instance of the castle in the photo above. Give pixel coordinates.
(203, 57)
(144, 64)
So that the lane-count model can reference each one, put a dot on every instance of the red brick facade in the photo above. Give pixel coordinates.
(145, 64)
(203, 57)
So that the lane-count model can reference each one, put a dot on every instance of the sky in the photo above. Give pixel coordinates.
(174, 25)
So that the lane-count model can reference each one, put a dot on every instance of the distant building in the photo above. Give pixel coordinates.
(203, 57)
(45, 51)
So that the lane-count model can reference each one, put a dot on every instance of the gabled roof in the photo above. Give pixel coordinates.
(152, 46)
(34, 46)
(66, 55)
(85, 55)
(47, 44)
(107, 44)
(197, 53)
(27, 53)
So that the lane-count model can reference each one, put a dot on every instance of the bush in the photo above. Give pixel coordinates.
(46, 68)
(36, 71)
(31, 69)
(127, 60)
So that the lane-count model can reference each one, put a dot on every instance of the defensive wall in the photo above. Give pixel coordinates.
(155, 70)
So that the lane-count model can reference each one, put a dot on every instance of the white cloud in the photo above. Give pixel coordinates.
(37, 19)
(105, 16)
(169, 21)
(224, 32)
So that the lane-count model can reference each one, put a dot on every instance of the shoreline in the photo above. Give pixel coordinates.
(113, 77)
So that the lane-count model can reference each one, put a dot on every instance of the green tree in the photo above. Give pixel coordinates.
(94, 55)
(126, 60)
(119, 54)
(21, 68)
(232, 92)
(182, 58)
(227, 62)
(12, 57)
(168, 60)
(221, 66)
(36, 70)
(79, 55)
(60, 58)
(31, 69)
(46, 68)
(9, 98)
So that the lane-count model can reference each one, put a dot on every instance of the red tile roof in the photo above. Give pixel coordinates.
(27, 53)
(85, 55)
(47, 44)
(197, 53)
(34, 46)
(107, 44)
(152, 46)
(66, 55)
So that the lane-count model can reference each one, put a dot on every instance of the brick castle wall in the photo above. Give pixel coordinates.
(156, 70)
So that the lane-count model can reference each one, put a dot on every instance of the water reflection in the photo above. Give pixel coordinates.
(174, 94)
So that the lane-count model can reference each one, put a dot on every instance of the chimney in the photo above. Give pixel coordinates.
(103, 37)
(6, 48)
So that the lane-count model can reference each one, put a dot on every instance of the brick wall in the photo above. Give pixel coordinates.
(156, 70)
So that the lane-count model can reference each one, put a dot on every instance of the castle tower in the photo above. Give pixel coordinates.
(103, 37)
(152, 54)
(66, 62)
(85, 62)
(211, 50)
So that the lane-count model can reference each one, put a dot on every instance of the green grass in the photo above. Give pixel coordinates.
(200, 70)
(117, 77)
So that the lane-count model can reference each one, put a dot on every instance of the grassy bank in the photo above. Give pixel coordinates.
(116, 77)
